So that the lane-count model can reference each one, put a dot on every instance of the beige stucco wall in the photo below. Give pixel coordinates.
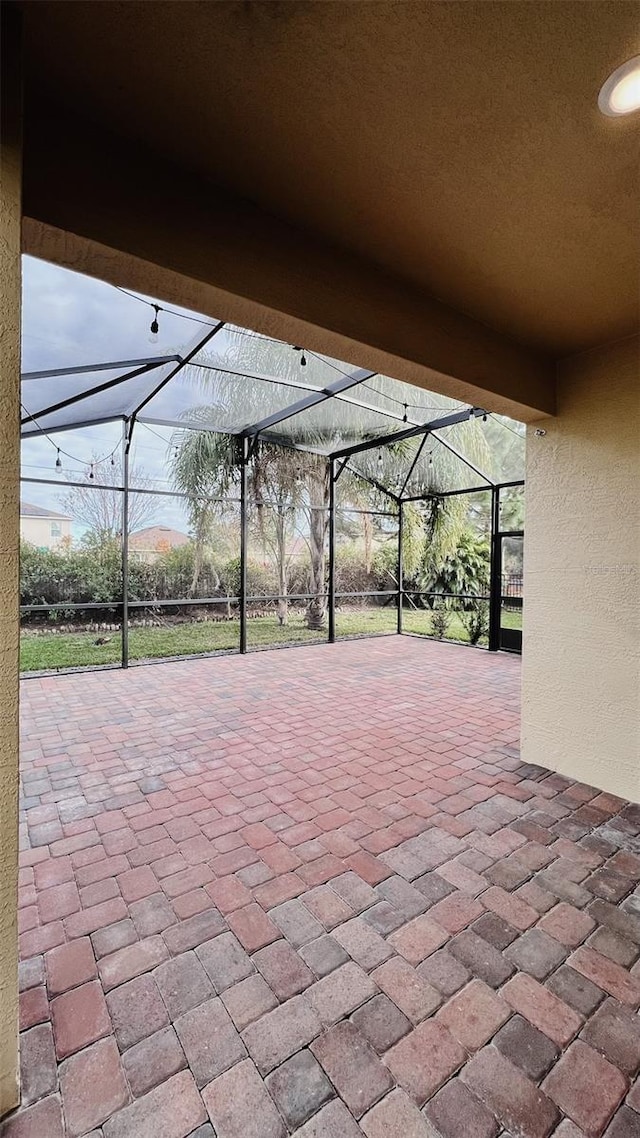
(581, 662)
(10, 211)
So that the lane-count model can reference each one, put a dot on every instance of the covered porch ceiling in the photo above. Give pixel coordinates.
(429, 182)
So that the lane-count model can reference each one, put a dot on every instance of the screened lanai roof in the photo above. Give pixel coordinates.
(207, 375)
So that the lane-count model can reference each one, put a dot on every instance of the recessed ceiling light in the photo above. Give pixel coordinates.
(620, 95)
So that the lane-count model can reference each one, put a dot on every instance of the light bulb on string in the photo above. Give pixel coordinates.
(380, 459)
(73, 457)
(405, 416)
(155, 328)
(303, 360)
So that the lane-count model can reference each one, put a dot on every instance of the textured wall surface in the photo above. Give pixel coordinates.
(581, 674)
(9, 541)
(455, 146)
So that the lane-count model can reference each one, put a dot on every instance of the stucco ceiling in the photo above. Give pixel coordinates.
(456, 145)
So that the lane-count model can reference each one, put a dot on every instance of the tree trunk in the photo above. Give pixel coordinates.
(318, 509)
(281, 557)
(367, 531)
(199, 543)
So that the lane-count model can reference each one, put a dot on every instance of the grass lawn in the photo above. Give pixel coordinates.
(48, 651)
(419, 620)
(67, 650)
(511, 619)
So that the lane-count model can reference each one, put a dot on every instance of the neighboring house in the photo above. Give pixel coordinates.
(46, 529)
(149, 544)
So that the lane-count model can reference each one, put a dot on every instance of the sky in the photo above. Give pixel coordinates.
(69, 319)
(73, 320)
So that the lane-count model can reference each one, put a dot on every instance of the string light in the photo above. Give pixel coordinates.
(90, 474)
(182, 315)
(421, 407)
(303, 360)
(60, 450)
(153, 335)
(155, 328)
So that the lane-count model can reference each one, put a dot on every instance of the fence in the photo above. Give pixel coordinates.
(122, 606)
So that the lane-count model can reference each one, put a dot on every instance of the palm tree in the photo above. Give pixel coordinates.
(204, 468)
(206, 464)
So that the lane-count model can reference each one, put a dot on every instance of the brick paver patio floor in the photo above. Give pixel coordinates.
(316, 892)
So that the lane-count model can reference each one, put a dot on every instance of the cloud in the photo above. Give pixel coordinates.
(69, 319)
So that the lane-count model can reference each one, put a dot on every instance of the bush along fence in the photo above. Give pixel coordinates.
(96, 584)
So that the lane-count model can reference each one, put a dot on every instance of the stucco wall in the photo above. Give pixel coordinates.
(10, 209)
(581, 663)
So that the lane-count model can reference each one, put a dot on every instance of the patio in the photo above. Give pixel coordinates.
(316, 892)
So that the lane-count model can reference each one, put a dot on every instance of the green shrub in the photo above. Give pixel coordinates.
(261, 579)
(384, 569)
(91, 573)
(440, 619)
(465, 570)
(88, 574)
(351, 571)
(475, 619)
